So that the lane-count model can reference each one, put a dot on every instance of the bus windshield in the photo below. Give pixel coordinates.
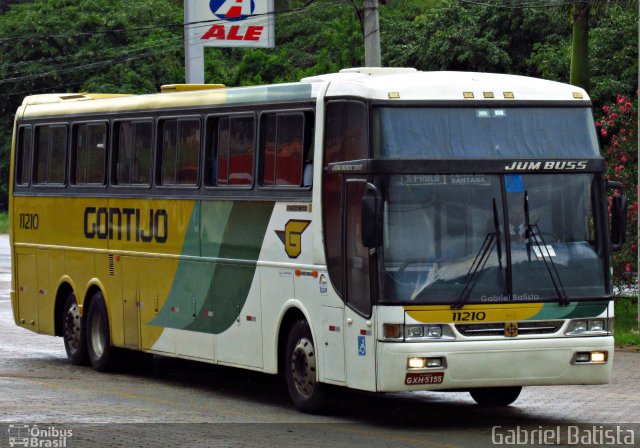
(483, 132)
(492, 238)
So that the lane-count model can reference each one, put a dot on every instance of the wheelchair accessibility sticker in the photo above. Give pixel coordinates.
(362, 346)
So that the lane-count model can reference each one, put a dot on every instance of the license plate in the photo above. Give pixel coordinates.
(413, 379)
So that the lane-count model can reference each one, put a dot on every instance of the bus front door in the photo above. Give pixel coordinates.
(359, 329)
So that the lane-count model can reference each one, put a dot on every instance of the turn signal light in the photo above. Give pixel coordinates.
(392, 331)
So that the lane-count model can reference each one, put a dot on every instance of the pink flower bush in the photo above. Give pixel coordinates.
(617, 125)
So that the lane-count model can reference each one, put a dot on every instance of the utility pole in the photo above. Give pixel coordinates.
(371, 25)
(193, 53)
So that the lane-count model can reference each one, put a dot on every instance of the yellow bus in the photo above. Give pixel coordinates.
(378, 229)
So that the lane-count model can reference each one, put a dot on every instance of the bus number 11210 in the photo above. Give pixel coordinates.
(29, 221)
(469, 316)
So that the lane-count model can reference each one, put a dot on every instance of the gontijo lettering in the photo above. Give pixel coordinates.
(126, 223)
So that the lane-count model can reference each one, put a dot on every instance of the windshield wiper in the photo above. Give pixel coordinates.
(496, 228)
(532, 235)
(480, 261)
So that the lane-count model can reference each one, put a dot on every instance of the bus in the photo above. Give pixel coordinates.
(381, 229)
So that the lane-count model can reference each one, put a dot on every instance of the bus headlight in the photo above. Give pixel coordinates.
(426, 363)
(416, 363)
(590, 357)
(422, 332)
(596, 325)
(578, 326)
(416, 332)
(589, 327)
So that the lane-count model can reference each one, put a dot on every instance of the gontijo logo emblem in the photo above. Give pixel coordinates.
(291, 236)
(232, 10)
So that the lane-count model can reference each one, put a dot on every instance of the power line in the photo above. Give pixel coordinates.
(265, 17)
(83, 67)
(67, 67)
(43, 90)
(527, 4)
(17, 70)
(154, 27)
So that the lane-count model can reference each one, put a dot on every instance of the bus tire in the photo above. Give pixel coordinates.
(98, 334)
(495, 396)
(301, 375)
(73, 332)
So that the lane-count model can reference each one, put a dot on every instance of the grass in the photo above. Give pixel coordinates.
(625, 328)
(4, 222)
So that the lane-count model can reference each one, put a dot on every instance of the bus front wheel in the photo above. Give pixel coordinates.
(98, 335)
(73, 332)
(301, 373)
(495, 396)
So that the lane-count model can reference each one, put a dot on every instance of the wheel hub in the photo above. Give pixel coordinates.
(72, 328)
(303, 367)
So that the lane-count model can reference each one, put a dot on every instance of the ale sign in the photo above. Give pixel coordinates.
(230, 23)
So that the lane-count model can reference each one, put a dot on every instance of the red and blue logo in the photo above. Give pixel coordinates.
(232, 10)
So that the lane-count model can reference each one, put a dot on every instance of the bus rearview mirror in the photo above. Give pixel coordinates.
(618, 222)
(618, 216)
(368, 222)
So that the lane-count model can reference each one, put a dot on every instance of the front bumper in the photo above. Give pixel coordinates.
(526, 362)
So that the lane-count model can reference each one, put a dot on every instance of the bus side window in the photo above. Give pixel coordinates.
(233, 161)
(241, 144)
(210, 145)
(180, 140)
(88, 155)
(188, 152)
(169, 139)
(283, 149)
(23, 162)
(51, 154)
(222, 154)
(132, 153)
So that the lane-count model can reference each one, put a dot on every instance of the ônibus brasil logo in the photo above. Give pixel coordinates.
(232, 10)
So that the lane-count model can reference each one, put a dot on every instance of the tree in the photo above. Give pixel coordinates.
(579, 74)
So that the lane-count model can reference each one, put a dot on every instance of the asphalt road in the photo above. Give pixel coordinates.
(180, 403)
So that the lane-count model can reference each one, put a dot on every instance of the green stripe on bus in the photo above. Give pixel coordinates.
(571, 311)
(231, 231)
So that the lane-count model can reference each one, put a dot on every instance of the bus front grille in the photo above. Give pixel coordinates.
(498, 328)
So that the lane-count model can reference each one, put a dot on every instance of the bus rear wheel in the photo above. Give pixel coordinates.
(301, 373)
(73, 332)
(98, 335)
(495, 396)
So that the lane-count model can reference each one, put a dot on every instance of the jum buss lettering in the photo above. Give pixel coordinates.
(126, 223)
